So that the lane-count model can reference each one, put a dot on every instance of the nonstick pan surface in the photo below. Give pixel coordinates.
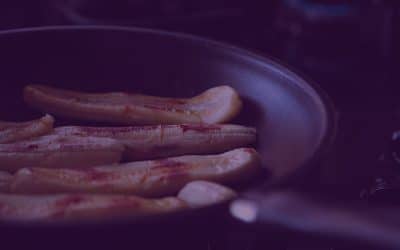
(294, 119)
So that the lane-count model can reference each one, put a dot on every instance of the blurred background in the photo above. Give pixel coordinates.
(335, 42)
(332, 41)
(350, 48)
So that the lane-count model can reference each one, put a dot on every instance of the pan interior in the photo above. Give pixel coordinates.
(290, 117)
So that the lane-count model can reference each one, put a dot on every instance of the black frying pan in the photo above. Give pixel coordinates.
(295, 121)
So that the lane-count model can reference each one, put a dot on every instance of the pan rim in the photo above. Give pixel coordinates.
(297, 78)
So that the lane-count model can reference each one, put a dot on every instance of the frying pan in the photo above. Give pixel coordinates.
(294, 118)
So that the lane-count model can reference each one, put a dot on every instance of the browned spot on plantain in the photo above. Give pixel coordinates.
(68, 201)
(61, 205)
(96, 175)
(171, 169)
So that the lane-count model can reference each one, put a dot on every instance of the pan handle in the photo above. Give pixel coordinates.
(313, 215)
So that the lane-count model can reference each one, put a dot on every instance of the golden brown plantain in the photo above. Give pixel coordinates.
(204, 193)
(17, 131)
(81, 206)
(151, 142)
(146, 178)
(215, 105)
(53, 151)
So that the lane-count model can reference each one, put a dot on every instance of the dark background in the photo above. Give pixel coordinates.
(350, 48)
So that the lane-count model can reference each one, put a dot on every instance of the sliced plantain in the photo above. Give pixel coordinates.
(17, 131)
(53, 151)
(204, 193)
(215, 105)
(151, 142)
(146, 178)
(81, 206)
